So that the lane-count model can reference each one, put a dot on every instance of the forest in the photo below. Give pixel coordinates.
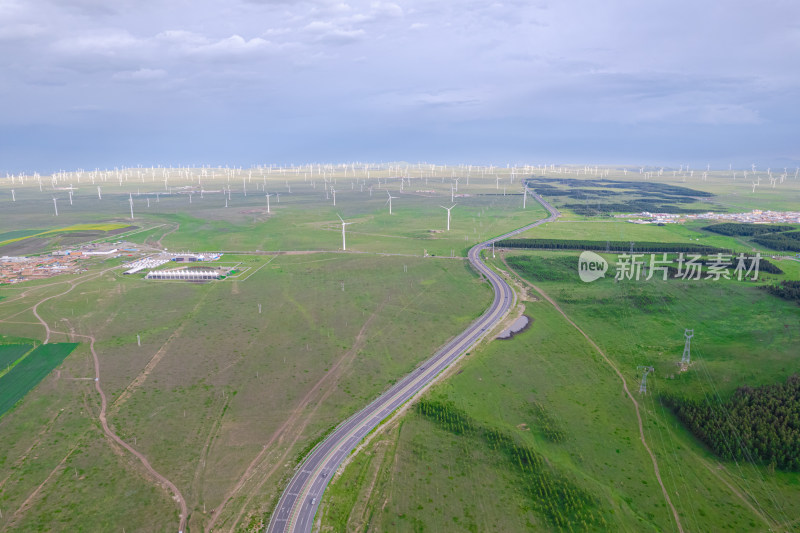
(786, 289)
(788, 241)
(760, 424)
(732, 229)
(651, 197)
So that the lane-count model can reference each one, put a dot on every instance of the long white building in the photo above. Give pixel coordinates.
(181, 274)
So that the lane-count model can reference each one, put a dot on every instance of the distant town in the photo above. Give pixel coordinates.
(755, 216)
(19, 269)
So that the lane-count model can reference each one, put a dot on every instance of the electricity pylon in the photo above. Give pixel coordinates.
(645, 370)
(686, 359)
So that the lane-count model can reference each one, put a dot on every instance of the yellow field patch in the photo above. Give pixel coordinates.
(75, 227)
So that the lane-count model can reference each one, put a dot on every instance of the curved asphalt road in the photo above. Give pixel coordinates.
(299, 502)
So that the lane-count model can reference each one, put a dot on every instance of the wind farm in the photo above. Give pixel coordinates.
(231, 406)
(395, 265)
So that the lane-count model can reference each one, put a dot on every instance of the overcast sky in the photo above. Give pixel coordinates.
(99, 83)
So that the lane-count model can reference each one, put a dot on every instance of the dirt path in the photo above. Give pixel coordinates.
(624, 387)
(173, 230)
(72, 284)
(293, 425)
(196, 487)
(157, 357)
(163, 481)
(39, 318)
(24, 293)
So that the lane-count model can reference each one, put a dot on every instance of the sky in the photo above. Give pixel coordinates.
(104, 83)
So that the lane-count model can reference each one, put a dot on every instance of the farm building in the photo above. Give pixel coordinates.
(191, 258)
(193, 274)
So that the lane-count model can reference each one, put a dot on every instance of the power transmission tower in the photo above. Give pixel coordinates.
(686, 359)
(645, 370)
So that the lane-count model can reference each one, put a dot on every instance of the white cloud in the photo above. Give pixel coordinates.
(182, 37)
(233, 45)
(343, 36)
(341, 8)
(20, 31)
(386, 9)
(319, 26)
(327, 31)
(143, 74)
(108, 42)
(676, 62)
(185, 42)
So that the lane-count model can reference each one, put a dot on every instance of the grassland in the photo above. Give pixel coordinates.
(335, 330)
(26, 374)
(222, 399)
(419, 475)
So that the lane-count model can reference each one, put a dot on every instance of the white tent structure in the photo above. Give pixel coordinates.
(185, 274)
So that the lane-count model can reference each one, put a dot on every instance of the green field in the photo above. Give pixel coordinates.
(15, 384)
(223, 399)
(17, 234)
(420, 476)
(338, 328)
(9, 353)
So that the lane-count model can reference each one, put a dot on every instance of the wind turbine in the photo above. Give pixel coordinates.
(55, 205)
(333, 192)
(130, 203)
(344, 245)
(525, 196)
(268, 195)
(389, 201)
(448, 214)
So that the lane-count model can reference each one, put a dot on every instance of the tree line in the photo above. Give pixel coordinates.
(612, 246)
(552, 494)
(758, 424)
(733, 229)
(788, 290)
(788, 241)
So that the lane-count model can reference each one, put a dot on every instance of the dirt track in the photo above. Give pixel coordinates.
(624, 387)
(161, 480)
(324, 387)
